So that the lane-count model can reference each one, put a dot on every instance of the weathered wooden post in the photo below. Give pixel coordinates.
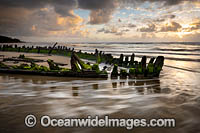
(95, 67)
(98, 58)
(126, 61)
(52, 48)
(132, 60)
(132, 72)
(74, 65)
(3, 48)
(143, 63)
(158, 65)
(96, 52)
(114, 72)
(150, 67)
(75, 91)
(123, 73)
(19, 48)
(52, 65)
(38, 50)
(121, 59)
(152, 60)
(100, 53)
(114, 85)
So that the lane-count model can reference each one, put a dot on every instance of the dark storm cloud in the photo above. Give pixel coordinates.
(24, 3)
(84, 4)
(100, 16)
(101, 10)
(18, 16)
(96, 4)
(166, 2)
(62, 7)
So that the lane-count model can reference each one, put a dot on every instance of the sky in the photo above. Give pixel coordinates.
(101, 20)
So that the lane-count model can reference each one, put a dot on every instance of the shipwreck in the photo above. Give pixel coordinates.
(123, 67)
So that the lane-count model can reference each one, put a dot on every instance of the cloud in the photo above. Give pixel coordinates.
(130, 25)
(164, 18)
(101, 10)
(43, 22)
(166, 2)
(96, 4)
(149, 28)
(172, 16)
(171, 27)
(113, 30)
(108, 30)
(195, 25)
(64, 7)
(159, 20)
(100, 16)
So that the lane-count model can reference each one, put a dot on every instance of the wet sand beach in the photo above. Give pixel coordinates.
(176, 94)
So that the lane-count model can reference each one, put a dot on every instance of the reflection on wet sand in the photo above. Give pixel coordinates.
(151, 86)
(95, 86)
(68, 97)
(122, 83)
(142, 86)
(139, 86)
(131, 83)
(114, 85)
(75, 91)
(42, 79)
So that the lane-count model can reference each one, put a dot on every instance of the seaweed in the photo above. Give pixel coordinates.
(53, 65)
(123, 73)
(95, 67)
(2, 65)
(44, 68)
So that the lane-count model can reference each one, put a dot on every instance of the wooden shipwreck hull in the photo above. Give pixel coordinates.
(83, 74)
